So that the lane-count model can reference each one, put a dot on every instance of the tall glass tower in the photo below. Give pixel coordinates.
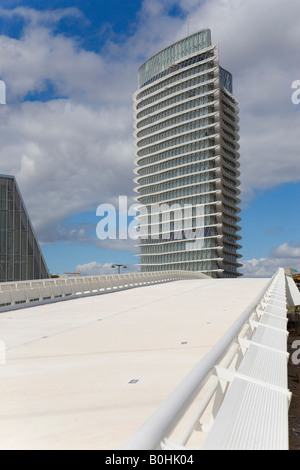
(186, 148)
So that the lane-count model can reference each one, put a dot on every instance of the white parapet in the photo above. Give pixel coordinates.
(249, 398)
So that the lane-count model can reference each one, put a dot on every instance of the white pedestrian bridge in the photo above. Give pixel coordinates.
(170, 360)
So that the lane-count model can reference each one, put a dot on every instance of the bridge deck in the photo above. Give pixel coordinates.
(86, 373)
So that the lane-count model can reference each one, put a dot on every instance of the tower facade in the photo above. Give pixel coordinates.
(187, 161)
(21, 258)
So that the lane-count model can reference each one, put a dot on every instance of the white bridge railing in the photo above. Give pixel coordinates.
(23, 293)
(247, 401)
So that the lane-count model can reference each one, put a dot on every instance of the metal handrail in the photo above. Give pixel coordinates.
(28, 293)
(163, 421)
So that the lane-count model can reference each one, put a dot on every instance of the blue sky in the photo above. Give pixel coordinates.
(66, 131)
(270, 220)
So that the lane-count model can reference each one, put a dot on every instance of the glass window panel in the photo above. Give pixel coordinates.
(24, 220)
(10, 243)
(30, 242)
(10, 268)
(3, 244)
(3, 220)
(17, 268)
(10, 220)
(24, 271)
(30, 273)
(3, 268)
(17, 242)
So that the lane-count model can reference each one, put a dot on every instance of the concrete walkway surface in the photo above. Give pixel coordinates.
(87, 373)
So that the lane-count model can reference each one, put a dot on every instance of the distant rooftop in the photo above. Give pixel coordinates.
(174, 53)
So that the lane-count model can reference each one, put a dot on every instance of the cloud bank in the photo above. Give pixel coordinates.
(66, 132)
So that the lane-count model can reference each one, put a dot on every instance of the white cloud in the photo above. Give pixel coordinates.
(283, 256)
(285, 250)
(39, 58)
(46, 17)
(70, 155)
(66, 157)
(258, 45)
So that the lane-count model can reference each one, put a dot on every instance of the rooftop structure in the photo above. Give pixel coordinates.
(20, 254)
